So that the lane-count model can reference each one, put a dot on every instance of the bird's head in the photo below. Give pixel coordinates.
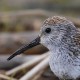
(54, 29)
(51, 33)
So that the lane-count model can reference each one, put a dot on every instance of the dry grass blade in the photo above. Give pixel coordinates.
(27, 64)
(6, 77)
(42, 65)
(36, 77)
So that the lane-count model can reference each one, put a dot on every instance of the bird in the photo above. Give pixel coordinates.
(62, 39)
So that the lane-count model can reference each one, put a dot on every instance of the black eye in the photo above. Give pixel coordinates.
(48, 30)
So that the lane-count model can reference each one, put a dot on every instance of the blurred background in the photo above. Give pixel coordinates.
(20, 22)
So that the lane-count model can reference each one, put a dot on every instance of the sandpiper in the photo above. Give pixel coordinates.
(62, 39)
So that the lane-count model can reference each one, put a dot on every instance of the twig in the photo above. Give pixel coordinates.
(12, 14)
(36, 77)
(6, 77)
(27, 64)
(35, 12)
(35, 70)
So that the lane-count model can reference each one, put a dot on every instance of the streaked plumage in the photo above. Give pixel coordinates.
(64, 45)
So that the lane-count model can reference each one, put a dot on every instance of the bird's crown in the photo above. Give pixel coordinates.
(55, 20)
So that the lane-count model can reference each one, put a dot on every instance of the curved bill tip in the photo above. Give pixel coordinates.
(25, 47)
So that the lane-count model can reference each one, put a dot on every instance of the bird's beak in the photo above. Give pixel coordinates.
(25, 47)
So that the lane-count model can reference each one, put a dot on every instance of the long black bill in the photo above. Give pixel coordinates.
(25, 47)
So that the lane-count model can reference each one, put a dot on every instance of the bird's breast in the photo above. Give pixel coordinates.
(61, 65)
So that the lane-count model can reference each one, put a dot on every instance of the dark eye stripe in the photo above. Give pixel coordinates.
(48, 30)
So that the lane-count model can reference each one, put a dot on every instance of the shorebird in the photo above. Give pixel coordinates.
(62, 39)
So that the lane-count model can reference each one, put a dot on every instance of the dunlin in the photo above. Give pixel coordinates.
(62, 39)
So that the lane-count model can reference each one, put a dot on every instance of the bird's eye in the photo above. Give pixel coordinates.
(48, 30)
